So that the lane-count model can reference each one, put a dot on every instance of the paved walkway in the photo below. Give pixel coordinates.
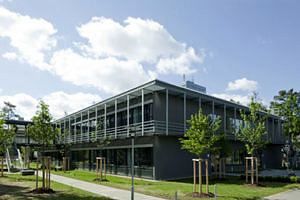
(288, 195)
(106, 191)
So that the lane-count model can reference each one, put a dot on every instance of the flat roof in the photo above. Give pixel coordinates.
(158, 85)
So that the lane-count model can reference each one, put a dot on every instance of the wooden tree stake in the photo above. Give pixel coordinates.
(246, 170)
(206, 169)
(194, 166)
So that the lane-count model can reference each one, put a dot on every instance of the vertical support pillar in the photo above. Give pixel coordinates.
(64, 130)
(143, 112)
(105, 120)
(70, 131)
(184, 112)
(96, 123)
(81, 133)
(224, 118)
(88, 125)
(128, 114)
(75, 129)
(234, 121)
(116, 117)
(167, 111)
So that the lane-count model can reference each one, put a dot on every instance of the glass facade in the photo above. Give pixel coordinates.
(118, 161)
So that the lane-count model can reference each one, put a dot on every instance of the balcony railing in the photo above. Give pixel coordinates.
(152, 127)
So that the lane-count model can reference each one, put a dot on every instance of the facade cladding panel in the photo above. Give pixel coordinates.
(158, 153)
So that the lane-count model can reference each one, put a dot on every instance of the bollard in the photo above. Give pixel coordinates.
(176, 195)
(215, 192)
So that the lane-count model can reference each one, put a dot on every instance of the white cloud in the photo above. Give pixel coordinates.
(244, 100)
(140, 40)
(181, 64)
(10, 55)
(59, 102)
(242, 84)
(108, 74)
(29, 36)
(112, 59)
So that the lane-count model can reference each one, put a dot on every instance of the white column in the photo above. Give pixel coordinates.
(75, 130)
(70, 130)
(234, 121)
(88, 125)
(128, 115)
(116, 117)
(143, 112)
(184, 112)
(65, 130)
(105, 120)
(167, 111)
(224, 118)
(81, 126)
(96, 123)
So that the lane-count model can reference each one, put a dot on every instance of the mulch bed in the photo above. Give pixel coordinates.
(42, 191)
(99, 180)
(254, 185)
(198, 195)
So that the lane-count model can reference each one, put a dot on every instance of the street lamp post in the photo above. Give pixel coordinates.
(132, 130)
(132, 165)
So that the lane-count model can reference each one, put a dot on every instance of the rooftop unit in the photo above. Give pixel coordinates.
(194, 86)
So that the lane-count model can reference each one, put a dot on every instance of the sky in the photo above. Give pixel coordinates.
(73, 53)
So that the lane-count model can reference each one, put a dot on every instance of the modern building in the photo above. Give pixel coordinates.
(160, 110)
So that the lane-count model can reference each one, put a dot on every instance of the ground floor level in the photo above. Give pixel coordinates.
(157, 157)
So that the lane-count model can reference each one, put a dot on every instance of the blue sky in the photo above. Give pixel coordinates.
(73, 53)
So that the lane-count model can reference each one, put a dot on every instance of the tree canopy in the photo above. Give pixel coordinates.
(287, 105)
(253, 133)
(6, 135)
(201, 137)
(42, 131)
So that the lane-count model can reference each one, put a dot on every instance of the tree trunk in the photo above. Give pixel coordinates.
(220, 168)
(206, 169)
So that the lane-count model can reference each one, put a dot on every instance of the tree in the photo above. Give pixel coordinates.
(222, 152)
(8, 110)
(7, 137)
(253, 133)
(287, 105)
(201, 137)
(42, 131)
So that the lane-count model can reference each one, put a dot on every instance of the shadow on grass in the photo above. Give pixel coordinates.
(20, 192)
(231, 180)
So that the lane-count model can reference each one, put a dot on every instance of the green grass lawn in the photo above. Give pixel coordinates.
(17, 187)
(232, 189)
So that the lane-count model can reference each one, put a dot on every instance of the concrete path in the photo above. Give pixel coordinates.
(288, 195)
(106, 191)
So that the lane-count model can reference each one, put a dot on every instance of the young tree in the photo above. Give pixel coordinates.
(201, 137)
(222, 152)
(42, 131)
(253, 133)
(7, 137)
(287, 105)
